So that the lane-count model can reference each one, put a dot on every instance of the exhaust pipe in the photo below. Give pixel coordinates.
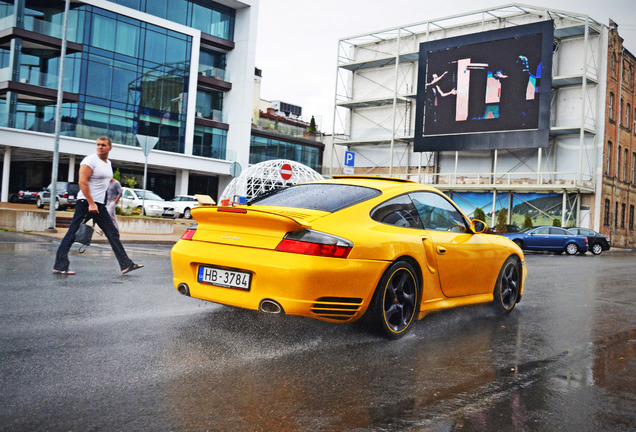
(271, 307)
(184, 289)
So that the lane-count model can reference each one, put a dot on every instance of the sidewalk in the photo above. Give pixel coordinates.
(180, 226)
(128, 238)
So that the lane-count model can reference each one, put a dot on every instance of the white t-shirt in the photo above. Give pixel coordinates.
(100, 179)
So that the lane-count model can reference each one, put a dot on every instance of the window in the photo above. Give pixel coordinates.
(635, 122)
(623, 215)
(437, 213)
(616, 214)
(398, 211)
(631, 218)
(620, 120)
(608, 164)
(625, 165)
(610, 108)
(627, 114)
(613, 62)
(319, 196)
(633, 168)
(629, 74)
(618, 163)
(606, 216)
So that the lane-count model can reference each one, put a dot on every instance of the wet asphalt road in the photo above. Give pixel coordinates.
(102, 352)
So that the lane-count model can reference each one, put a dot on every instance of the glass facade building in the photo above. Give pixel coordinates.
(157, 68)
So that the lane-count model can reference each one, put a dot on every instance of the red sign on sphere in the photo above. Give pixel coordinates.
(286, 172)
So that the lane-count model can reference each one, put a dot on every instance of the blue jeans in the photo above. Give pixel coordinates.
(104, 221)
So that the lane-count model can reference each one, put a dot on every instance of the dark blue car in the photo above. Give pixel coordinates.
(552, 239)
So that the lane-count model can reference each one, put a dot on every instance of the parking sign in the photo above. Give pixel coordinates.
(349, 162)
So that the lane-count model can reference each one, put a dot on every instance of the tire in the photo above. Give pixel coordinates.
(597, 249)
(187, 213)
(394, 304)
(571, 249)
(506, 293)
(13, 198)
(38, 203)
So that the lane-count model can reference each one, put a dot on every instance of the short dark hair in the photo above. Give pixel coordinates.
(105, 138)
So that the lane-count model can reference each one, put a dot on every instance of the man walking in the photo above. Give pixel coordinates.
(95, 174)
(113, 194)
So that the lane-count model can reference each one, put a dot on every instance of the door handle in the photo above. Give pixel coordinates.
(441, 250)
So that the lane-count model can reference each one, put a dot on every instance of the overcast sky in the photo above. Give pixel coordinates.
(297, 40)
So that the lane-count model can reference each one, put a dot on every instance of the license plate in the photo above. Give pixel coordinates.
(71, 197)
(224, 278)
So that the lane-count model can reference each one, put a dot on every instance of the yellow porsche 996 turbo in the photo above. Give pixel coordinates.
(386, 250)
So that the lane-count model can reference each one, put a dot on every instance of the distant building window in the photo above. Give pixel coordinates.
(608, 160)
(625, 156)
(631, 218)
(618, 163)
(623, 215)
(616, 214)
(627, 114)
(633, 168)
(619, 112)
(610, 108)
(606, 215)
(613, 62)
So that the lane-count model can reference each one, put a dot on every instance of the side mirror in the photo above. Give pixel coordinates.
(478, 226)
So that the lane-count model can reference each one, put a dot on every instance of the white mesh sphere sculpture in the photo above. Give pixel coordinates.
(266, 176)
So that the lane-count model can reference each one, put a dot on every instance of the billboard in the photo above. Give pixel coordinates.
(484, 91)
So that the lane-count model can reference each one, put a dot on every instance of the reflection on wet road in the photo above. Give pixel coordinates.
(105, 352)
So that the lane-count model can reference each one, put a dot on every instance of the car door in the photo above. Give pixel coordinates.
(559, 237)
(538, 239)
(459, 252)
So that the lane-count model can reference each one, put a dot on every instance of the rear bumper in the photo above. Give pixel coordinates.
(331, 289)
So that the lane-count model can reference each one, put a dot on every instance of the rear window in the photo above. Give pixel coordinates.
(318, 196)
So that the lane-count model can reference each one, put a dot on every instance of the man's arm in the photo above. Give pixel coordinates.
(85, 173)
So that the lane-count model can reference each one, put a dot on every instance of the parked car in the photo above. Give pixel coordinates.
(388, 251)
(509, 228)
(65, 192)
(597, 242)
(153, 204)
(548, 238)
(183, 204)
(26, 195)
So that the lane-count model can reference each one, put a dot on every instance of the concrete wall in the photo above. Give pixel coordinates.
(37, 220)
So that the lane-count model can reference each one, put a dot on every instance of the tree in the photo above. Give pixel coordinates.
(117, 175)
(556, 222)
(527, 222)
(502, 218)
(479, 214)
(312, 126)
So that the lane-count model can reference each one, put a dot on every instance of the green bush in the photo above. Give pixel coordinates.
(479, 214)
(527, 222)
(556, 222)
(502, 219)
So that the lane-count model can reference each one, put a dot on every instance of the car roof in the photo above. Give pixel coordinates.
(383, 184)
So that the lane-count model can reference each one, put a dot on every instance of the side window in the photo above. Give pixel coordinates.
(542, 231)
(557, 231)
(398, 211)
(128, 195)
(437, 213)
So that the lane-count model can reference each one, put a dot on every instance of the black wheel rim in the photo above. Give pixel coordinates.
(399, 300)
(509, 286)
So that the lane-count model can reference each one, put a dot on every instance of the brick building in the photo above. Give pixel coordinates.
(619, 155)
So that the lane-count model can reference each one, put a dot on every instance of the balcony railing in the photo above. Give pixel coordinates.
(212, 72)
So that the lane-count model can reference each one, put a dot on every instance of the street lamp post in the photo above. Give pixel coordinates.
(58, 117)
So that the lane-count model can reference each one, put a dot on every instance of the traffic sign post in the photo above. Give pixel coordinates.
(147, 143)
(349, 162)
(286, 171)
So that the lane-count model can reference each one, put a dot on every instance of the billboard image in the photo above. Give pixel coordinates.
(485, 91)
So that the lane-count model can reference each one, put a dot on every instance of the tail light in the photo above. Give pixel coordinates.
(188, 234)
(310, 242)
(65, 195)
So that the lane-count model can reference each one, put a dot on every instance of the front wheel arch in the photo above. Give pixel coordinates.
(507, 289)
